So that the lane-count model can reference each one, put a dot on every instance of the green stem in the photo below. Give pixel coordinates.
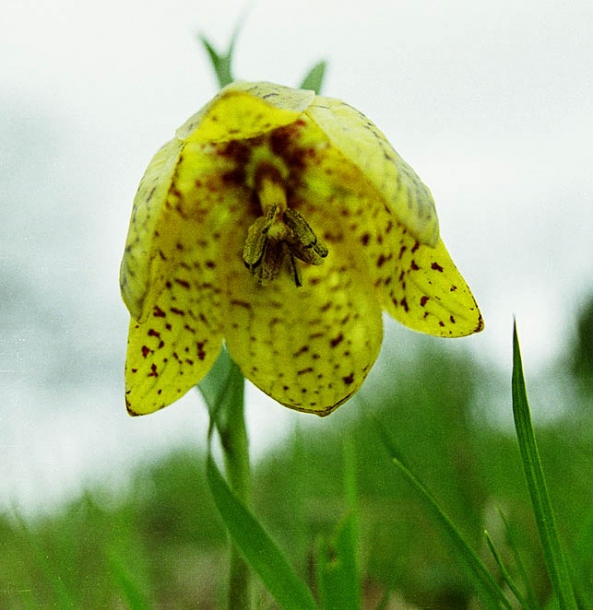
(223, 390)
(235, 446)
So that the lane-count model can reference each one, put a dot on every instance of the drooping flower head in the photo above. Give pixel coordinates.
(281, 223)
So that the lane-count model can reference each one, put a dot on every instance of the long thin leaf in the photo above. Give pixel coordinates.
(128, 586)
(337, 570)
(338, 578)
(259, 550)
(46, 567)
(536, 483)
(506, 575)
(487, 589)
(222, 390)
(314, 78)
(222, 63)
(514, 546)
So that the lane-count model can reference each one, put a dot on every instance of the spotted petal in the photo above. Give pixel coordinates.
(181, 197)
(179, 335)
(141, 270)
(245, 110)
(308, 348)
(415, 283)
(365, 146)
(178, 342)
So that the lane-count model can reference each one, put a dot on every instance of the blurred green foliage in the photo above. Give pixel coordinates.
(162, 545)
(581, 356)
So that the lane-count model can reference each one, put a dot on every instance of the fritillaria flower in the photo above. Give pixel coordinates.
(282, 224)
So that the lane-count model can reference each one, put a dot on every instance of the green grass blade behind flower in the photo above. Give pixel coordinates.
(62, 596)
(337, 570)
(314, 78)
(486, 588)
(542, 507)
(506, 575)
(514, 546)
(338, 579)
(258, 549)
(222, 64)
(127, 586)
(222, 389)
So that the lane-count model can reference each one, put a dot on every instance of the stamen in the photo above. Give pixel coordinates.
(280, 233)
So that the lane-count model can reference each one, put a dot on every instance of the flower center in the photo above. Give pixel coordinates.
(280, 234)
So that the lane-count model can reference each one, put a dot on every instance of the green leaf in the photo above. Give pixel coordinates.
(223, 389)
(46, 567)
(487, 590)
(506, 575)
(258, 549)
(129, 588)
(536, 483)
(314, 79)
(338, 579)
(337, 570)
(514, 546)
(222, 63)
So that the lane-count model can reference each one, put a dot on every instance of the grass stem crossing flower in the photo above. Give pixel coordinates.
(282, 223)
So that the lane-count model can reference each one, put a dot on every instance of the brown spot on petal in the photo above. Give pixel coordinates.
(349, 379)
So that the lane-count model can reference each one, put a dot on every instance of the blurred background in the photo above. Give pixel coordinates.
(489, 102)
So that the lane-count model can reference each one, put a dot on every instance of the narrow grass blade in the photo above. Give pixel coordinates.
(486, 588)
(338, 578)
(506, 575)
(223, 391)
(514, 546)
(129, 588)
(222, 63)
(259, 550)
(337, 570)
(542, 507)
(61, 593)
(314, 79)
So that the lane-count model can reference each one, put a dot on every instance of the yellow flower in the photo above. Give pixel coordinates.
(282, 223)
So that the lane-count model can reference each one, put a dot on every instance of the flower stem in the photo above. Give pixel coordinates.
(235, 446)
(223, 390)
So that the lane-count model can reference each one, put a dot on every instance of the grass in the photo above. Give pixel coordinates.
(163, 545)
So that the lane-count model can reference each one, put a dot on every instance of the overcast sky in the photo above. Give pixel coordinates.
(491, 103)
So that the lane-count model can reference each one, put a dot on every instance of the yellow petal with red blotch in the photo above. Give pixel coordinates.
(245, 110)
(180, 339)
(183, 199)
(365, 146)
(415, 283)
(310, 348)
(421, 287)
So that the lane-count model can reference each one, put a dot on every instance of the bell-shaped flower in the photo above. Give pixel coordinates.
(280, 223)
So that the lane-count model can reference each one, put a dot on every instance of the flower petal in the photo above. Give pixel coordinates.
(365, 146)
(245, 110)
(415, 283)
(422, 288)
(144, 242)
(184, 196)
(178, 336)
(179, 341)
(309, 347)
